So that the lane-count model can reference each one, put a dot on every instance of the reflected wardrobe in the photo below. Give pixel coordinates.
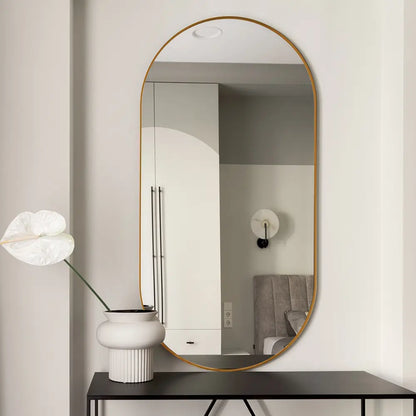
(181, 213)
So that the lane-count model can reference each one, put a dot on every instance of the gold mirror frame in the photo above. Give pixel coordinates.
(315, 128)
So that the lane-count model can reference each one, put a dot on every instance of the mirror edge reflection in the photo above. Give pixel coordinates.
(220, 358)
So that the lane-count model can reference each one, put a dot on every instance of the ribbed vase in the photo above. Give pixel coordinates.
(130, 337)
(131, 366)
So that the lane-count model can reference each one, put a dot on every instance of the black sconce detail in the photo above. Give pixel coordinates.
(263, 242)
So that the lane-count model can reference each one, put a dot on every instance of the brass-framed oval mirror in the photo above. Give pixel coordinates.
(228, 193)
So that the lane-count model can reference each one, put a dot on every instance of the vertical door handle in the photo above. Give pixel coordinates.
(154, 247)
(162, 257)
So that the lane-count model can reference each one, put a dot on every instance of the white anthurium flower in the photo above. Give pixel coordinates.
(38, 238)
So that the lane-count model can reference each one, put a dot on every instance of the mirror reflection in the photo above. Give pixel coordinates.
(227, 191)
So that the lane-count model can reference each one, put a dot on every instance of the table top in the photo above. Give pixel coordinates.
(250, 385)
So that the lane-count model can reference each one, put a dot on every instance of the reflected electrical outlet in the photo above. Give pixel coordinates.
(228, 323)
(228, 315)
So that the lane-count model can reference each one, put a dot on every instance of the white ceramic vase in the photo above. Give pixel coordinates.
(130, 337)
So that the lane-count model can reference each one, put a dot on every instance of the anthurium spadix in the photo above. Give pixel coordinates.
(39, 239)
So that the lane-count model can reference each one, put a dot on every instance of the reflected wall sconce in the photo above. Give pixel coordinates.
(265, 225)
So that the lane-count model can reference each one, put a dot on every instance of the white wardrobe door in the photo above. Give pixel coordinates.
(187, 170)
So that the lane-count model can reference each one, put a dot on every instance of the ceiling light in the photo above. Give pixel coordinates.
(207, 32)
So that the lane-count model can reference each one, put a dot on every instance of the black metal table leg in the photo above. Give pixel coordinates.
(211, 405)
(88, 407)
(96, 408)
(249, 407)
(362, 407)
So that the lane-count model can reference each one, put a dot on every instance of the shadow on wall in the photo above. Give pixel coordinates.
(286, 228)
(1, 372)
(79, 201)
(264, 408)
(220, 408)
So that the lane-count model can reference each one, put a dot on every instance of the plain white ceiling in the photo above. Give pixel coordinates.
(240, 42)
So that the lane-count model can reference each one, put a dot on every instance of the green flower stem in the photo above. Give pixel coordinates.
(88, 285)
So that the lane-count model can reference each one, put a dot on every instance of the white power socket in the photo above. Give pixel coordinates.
(228, 315)
(228, 322)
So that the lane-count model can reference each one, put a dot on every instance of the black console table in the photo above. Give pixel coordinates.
(354, 385)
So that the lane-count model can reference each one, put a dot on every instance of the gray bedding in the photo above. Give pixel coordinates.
(280, 344)
(274, 295)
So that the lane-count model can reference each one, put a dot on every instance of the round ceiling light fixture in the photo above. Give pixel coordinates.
(207, 32)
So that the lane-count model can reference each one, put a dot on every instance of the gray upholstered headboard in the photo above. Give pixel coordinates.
(273, 296)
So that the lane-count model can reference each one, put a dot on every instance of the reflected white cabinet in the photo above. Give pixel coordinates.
(181, 217)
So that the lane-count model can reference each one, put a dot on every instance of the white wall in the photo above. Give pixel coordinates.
(287, 191)
(343, 48)
(391, 207)
(34, 175)
(409, 201)
(391, 173)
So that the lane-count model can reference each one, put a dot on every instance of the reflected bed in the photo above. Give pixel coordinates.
(279, 302)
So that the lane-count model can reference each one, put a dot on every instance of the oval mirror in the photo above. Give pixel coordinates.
(228, 193)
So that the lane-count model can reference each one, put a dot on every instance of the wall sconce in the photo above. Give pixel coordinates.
(265, 225)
